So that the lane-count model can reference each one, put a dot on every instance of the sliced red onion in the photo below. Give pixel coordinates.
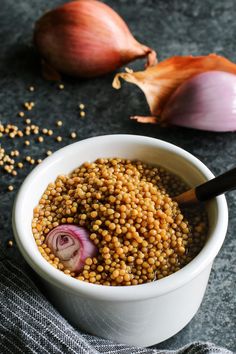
(71, 244)
(206, 101)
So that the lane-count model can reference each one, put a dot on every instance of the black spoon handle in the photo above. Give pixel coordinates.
(216, 186)
(210, 189)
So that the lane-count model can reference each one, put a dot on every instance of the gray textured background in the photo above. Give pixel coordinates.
(172, 28)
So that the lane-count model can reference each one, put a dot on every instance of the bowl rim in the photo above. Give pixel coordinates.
(120, 293)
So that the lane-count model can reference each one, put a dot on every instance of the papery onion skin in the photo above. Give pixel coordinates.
(71, 244)
(86, 38)
(205, 102)
(160, 81)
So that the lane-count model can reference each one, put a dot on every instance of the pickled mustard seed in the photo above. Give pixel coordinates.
(140, 233)
(73, 135)
(10, 188)
(10, 243)
(82, 114)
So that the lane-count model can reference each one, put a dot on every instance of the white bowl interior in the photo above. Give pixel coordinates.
(65, 160)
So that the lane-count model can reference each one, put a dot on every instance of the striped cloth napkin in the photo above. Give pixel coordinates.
(30, 324)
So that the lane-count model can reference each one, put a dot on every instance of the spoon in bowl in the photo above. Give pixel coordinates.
(209, 190)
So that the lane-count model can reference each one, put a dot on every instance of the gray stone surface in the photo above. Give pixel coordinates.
(172, 27)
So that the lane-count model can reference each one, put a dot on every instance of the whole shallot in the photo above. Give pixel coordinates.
(195, 92)
(206, 102)
(71, 244)
(86, 38)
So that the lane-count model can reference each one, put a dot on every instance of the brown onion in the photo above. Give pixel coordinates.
(86, 38)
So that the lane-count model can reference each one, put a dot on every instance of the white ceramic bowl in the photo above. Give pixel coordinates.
(138, 315)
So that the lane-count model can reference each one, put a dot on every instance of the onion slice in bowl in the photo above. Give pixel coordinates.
(71, 244)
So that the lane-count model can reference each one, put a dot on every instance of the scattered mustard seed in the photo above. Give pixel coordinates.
(40, 139)
(32, 161)
(20, 133)
(82, 114)
(61, 86)
(81, 106)
(27, 142)
(59, 138)
(27, 121)
(7, 168)
(10, 188)
(29, 105)
(49, 152)
(31, 88)
(44, 131)
(50, 132)
(59, 123)
(21, 114)
(28, 158)
(39, 161)
(73, 135)
(20, 164)
(26, 105)
(10, 243)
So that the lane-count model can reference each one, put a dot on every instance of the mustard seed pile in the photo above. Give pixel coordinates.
(140, 233)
